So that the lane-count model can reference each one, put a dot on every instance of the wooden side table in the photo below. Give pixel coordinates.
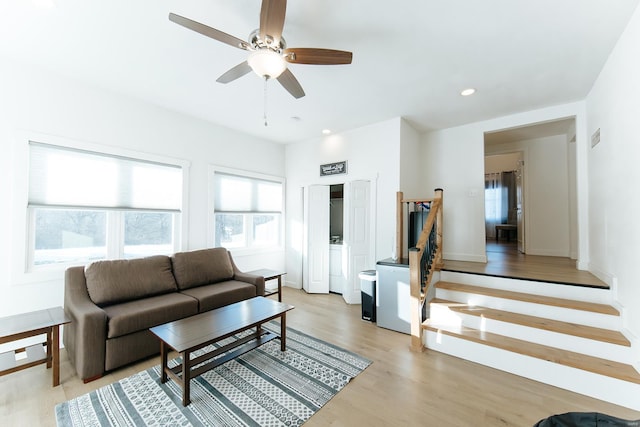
(27, 325)
(270, 275)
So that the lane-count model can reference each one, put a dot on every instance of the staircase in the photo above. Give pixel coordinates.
(559, 335)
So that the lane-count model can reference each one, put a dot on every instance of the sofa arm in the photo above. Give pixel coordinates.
(85, 337)
(257, 281)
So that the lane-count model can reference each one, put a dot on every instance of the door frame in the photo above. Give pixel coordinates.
(525, 191)
(350, 297)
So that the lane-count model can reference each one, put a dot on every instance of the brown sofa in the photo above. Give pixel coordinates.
(112, 304)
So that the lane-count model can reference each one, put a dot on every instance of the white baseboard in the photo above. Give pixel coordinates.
(547, 252)
(582, 265)
(452, 256)
(293, 285)
(607, 278)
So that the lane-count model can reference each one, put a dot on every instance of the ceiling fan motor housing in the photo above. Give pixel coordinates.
(257, 43)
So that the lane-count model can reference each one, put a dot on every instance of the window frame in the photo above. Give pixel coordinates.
(245, 250)
(114, 237)
(24, 271)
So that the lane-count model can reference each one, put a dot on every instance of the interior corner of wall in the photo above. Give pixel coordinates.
(582, 265)
(608, 278)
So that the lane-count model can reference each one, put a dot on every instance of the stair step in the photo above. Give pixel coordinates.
(530, 298)
(588, 332)
(592, 364)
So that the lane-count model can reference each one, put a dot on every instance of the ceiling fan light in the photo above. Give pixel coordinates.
(267, 63)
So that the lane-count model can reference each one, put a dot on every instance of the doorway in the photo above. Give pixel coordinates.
(337, 260)
(504, 202)
(329, 253)
(545, 214)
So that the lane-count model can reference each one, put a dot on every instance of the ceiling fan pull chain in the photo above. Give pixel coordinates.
(265, 100)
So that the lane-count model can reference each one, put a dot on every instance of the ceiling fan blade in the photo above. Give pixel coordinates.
(291, 84)
(304, 55)
(272, 16)
(235, 73)
(208, 31)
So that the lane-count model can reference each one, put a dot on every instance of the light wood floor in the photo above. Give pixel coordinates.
(399, 388)
(504, 260)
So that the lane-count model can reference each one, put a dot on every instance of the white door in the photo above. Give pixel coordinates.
(520, 204)
(357, 239)
(317, 226)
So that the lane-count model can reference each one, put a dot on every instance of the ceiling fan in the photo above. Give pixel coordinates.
(269, 54)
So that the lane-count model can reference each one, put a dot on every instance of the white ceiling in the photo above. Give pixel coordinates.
(411, 58)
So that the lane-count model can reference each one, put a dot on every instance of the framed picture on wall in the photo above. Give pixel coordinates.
(333, 168)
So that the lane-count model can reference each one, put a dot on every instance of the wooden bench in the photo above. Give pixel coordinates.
(506, 227)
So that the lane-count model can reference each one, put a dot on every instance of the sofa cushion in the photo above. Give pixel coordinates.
(110, 282)
(221, 294)
(202, 267)
(134, 316)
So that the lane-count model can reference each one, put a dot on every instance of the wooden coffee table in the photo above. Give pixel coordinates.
(193, 333)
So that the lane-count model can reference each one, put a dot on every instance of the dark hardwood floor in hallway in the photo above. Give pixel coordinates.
(504, 260)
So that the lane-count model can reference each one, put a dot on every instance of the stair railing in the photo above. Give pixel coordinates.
(424, 259)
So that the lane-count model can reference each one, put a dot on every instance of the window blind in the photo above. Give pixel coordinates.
(241, 194)
(74, 178)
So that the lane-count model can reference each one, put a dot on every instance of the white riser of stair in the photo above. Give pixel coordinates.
(598, 320)
(598, 386)
(442, 316)
(577, 293)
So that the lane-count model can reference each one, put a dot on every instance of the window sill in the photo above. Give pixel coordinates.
(241, 252)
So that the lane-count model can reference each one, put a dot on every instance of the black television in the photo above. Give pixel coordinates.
(416, 222)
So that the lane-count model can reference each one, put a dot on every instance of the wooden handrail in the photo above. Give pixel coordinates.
(421, 273)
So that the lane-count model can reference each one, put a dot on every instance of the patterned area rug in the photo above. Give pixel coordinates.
(263, 387)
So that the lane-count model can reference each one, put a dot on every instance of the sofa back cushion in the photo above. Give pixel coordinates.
(109, 282)
(202, 267)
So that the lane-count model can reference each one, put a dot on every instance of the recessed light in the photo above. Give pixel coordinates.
(326, 131)
(467, 92)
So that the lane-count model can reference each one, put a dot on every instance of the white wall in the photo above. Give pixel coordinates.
(36, 101)
(372, 153)
(501, 162)
(411, 183)
(453, 159)
(547, 222)
(613, 106)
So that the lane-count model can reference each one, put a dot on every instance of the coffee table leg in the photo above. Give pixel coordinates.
(55, 354)
(283, 332)
(163, 362)
(186, 378)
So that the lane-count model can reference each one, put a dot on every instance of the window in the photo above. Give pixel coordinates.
(248, 211)
(86, 206)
